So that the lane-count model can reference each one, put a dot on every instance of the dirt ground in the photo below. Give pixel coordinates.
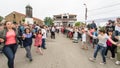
(60, 53)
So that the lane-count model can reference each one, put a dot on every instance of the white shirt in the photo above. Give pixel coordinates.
(83, 37)
(117, 28)
(103, 40)
(37, 27)
(44, 33)
(71, 30)
(53, 29)
(75, 35)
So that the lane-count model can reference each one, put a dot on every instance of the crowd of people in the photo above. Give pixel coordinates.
(12, 35)
(102, 39)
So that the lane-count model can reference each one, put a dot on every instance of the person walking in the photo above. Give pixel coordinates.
(53, 32)
(95, 40)
(43, 37)
(38, 41)
(9, 39)
(117, 36)
(27, 42)
(84, 36)
(110, 46)
(103, 37)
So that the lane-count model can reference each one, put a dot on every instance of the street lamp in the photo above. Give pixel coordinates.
(85, 13)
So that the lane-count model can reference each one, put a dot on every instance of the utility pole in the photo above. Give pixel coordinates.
(85, 13)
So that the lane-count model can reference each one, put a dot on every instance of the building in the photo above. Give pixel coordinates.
(29, 15)
(17, 17)
(65, 19)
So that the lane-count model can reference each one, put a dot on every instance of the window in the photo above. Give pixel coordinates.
(14, 16)
(64, 16)
(58, 17)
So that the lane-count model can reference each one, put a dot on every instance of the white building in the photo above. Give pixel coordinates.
(64, 19)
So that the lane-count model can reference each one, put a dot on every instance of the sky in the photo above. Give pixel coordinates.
(47, 8)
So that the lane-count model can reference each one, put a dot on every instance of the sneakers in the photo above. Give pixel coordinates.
(102, 63)
(112, 58)
(117, 62)
(92, 59)
(30, 60)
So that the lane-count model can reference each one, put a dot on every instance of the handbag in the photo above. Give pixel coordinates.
(95, 41)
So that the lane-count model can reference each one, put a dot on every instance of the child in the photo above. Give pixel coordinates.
(27, 42)
(84, 45)
(75, 35)
(38, 41)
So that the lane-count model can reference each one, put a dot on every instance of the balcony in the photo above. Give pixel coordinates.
(73, 19)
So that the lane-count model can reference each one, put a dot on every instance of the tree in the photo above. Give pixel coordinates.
(48, 21)
(1, 18)
(23, 20)
(79, 23)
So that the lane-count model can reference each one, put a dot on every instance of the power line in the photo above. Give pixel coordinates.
(106, 12)
(104, 7)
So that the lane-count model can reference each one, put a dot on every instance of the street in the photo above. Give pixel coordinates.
(60, 53)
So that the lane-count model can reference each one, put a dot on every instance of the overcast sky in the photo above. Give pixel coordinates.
(43, 8)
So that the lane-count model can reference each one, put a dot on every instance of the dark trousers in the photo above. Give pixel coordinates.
(57, 30)
(103, 50)
(20, 42)
(43, 43)
(112, 50)
(53, 35)
(9, 52)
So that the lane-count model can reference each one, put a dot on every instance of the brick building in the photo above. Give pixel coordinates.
(17, 17)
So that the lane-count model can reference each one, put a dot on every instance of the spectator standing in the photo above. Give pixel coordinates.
(43, 37)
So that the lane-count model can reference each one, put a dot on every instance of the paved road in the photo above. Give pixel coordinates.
(60, 53)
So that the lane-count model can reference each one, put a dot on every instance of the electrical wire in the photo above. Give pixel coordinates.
(109, 6)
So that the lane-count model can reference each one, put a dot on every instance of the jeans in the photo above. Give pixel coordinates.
(103, 50)
(43, 43)
(9, 52)
(28, 52)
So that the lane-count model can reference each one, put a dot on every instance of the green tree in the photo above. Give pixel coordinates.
(48, 21)
(79, 23)
(1, 18)
(23, 20)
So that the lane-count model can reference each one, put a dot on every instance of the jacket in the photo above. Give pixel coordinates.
(3, 36)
